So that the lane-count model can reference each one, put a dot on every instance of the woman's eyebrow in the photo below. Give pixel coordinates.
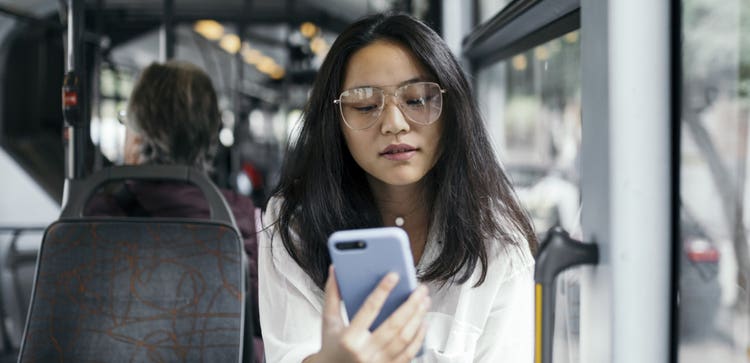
(413, 80)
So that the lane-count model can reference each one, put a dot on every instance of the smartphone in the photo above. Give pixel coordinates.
(362, 257)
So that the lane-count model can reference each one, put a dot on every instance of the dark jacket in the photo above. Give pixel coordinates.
(171, 199)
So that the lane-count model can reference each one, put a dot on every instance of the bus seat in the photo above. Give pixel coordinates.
(138, 289)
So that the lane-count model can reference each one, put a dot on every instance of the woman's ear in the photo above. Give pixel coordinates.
(133, 146)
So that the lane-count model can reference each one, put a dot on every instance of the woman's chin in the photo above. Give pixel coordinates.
(399, 180)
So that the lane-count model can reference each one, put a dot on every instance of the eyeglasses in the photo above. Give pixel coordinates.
(420, 102)
(122, 117)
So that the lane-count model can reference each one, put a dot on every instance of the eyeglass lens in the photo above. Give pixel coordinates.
(420, 102)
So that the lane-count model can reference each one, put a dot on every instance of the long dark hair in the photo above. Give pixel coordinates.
(324, 190)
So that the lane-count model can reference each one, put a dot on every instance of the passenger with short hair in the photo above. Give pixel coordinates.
(173, 118)
(391, 136)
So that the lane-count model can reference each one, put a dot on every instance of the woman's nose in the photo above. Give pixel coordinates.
(393, 119)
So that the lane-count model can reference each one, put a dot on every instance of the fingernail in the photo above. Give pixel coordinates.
(391, 278)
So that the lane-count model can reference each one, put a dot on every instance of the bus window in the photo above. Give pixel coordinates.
(532, 104)
(24, 212)
(714, 261)
(108, 114)
(488, 8)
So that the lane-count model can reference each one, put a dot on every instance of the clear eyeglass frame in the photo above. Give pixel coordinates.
(122, 117)
(397, 95)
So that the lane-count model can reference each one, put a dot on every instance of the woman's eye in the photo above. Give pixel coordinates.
(365, 109)
(417, 101)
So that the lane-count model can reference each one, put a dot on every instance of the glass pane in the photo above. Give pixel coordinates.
(714, 259)
(108, 83)
(532, 104)
(107, 132)
(125, 84)
(488, 8)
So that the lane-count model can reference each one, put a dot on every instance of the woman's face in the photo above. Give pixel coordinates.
(394, 151)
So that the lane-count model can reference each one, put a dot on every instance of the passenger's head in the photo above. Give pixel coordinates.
(388, 51)
(173, 117)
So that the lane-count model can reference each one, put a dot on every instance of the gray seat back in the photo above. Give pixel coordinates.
(138, 289)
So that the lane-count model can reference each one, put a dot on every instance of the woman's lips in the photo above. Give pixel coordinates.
(398, 152)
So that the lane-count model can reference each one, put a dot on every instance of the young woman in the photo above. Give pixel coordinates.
(391, 136)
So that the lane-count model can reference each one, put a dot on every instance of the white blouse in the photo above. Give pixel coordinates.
(490, 323)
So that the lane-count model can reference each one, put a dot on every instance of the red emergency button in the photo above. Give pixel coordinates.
(70, 98)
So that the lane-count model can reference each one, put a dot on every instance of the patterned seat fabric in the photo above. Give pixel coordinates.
(136, 290)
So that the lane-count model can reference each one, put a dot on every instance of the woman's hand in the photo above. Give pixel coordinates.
(397, 339)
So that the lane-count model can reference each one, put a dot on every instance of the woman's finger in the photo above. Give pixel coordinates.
(413, 348)
(332, 304)
(401, 327)
(374, 302)
(412, 326)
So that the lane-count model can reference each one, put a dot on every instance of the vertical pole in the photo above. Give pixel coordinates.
(166, 34)
(596, 322)
(73, 94)
(456, 23)
(95, 98)
(640, 102)
(676, 127)
(235, 153)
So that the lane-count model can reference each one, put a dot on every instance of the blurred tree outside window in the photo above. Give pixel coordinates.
(715, 262)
